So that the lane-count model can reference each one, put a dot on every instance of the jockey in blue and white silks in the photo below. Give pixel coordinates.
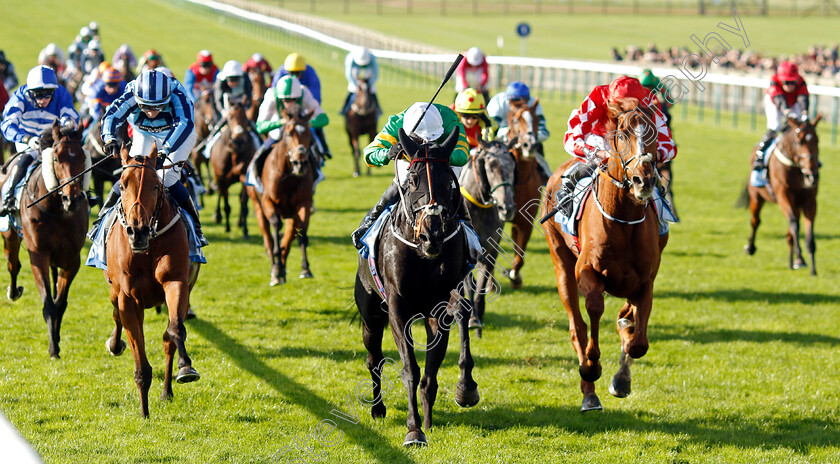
(360, 64)
(32, 109)
(161, 115)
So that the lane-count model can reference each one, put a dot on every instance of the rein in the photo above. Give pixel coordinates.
(153, 219)
(481, 203)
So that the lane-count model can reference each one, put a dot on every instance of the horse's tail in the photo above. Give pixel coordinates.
(743, 200)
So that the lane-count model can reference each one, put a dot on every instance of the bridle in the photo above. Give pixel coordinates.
(795, 159)
(153, 218)
(363, 95)
(481, 201)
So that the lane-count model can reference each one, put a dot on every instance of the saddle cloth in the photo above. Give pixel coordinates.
(583, 189)
(99, 235)
(13, 220)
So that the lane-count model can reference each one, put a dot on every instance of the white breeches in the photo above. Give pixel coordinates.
(143, 143)
(775, 118)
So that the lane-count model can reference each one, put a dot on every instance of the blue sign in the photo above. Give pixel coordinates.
(523, 29)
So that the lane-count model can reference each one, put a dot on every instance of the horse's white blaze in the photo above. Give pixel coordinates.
(238, 130)
(300, 129)
(433, 210)
(48, 169)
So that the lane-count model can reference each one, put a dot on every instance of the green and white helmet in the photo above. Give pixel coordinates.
(288, 87)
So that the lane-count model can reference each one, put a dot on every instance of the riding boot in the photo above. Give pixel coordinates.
(464, 216)
(111, 200)
(180, 194)
(758, 163)
(391, 195)
(569, 181)
(319, 132)
(14, 178)
(260, 155)
(345, 108)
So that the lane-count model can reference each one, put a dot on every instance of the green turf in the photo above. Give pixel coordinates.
(741, 365)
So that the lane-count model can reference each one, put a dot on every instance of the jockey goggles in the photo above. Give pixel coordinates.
(146, 107)
(40, 94)
(788, 82)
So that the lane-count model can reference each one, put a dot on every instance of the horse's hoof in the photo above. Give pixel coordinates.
(620, 388)
(515, 279)
(187, 374)
(475, 323)
(356, 174)
(275, 281)
(217, 218)
(415, 438)
(14, 293)
(799, 264)
(591, 403)
(120, 347)
(306, 274)
(377, 411)
(749, 249)
(467, 398)
(190, 314)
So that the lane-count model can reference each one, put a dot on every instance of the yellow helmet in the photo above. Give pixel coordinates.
(469, 101)
(294, 63)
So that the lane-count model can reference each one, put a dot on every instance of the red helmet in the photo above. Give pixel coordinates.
(204, 56)
(626, 86)
(788, 71)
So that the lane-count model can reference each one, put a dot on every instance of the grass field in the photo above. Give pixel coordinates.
(742, 366)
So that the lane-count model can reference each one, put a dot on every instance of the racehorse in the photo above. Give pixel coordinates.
(205, 118)
(487, 186)
(793, 179)
(617, 250)
(361, 119)
(107, 170)
(54, 229)
(258, 88)
(229, 159)
(148, 265)
(288, 176)
(422, 259)
(523, 127)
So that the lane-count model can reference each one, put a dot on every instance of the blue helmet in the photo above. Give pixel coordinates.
(41, 77)
(517, 90)
(153, 88)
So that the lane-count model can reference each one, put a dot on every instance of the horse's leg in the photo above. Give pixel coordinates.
(466, 394)
(756, 202)
(809, 212)
(302, 223)
(63, 278)
(523, 224)
(434, 358)
(11, 248)
(41, 273)
(592, 289)
(371, 137)
(262, 221)
(132, 319)
(243, 211)
(114, 344)
(223, 192)
(169, 349)
(354, 144)
(372, 331)
(278, 271)
(178, 302)
(410, 371)
(292, 228)
(470, 285)
(217, 215)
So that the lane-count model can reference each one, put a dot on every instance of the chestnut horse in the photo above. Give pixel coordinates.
(148, 265)
(288, 176)
(793, 179)
(523, 127)
(422, 256)
(205, 117)
(54, 229)
(617, 250)
(229, 160)
(361, 120)
(258, 88)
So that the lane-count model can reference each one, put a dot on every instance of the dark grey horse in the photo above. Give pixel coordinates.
(487, 184)
(421, 262)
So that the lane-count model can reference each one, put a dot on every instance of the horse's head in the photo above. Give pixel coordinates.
(431, 197)
(239, 127)
(363, 102)
(205, 109)
(297, 138)
(142, 195)
(632, 141)
(523, 126)
(805, 149)
(495, 163)
(64, 160)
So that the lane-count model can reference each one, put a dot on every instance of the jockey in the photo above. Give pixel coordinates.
(103, 92)
(151, 59)
(438, 122)
(52, 56)
(360, 64)
(270, 119)
(786, 97)
(94, 29)
(76, 50)
(160, 114)
(258, 62)
(651, 83)
(92, 57)
(124, 58)
(32, 109)
(585, 137)
(200, 76)
(7, 71)
(517, 95)
(231, 86)
(473, 115)
(296, 66)
(472, 73)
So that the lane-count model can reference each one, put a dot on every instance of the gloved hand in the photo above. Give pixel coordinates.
(161, 158)
(34, 143)
(803, 118)
(395, 151)
(111, 148)
(786, 112)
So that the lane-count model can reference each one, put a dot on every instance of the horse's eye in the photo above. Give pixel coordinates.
(413, 180)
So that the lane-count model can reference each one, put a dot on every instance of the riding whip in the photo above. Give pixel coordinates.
(12, 158)
(70, 180)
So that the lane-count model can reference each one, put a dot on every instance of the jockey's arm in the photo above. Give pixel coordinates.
(268, 118)
(319, 117)
(804, 101)
(781, 102)
(189, 84)
(183, 113)
(666, 147)
(117, 114)
(461, 154)
(376, 153)
(12, 117)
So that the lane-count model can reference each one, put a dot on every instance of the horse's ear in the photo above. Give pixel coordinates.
(124, 156)
(817, 119)
(410, 147)
(451, 140)
(512, 142)
(306, 114)
(56, 131)
(793, 122)
(536, 103)
(153, 154)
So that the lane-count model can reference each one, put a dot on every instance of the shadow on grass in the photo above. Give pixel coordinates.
(799, 434)
(749, 295)
(379, 446)
(702, 335)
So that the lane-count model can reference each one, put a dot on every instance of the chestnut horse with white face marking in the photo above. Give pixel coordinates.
(229, 160)
(148, 257)
(54, 229)
(793, 178)
(617, 250)
(361, 120)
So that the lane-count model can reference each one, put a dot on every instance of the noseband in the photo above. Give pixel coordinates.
(153, 219)
(481, 202)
